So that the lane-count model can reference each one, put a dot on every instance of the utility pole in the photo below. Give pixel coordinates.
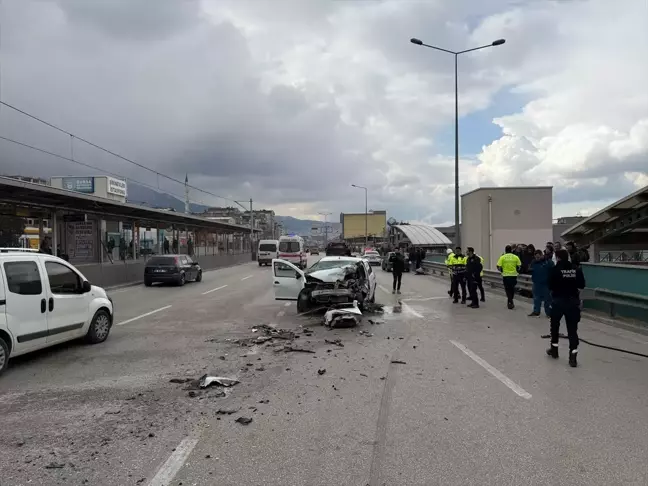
(186, 193)
(326, 228)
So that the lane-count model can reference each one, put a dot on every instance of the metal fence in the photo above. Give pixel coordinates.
(613, 299)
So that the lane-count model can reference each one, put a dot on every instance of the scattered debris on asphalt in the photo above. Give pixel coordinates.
(206, 381)
(293, 349)
(373, 308)
(362, 374)
(398, 361)
(335, 342)
(244, 420)
(227, 411)
(343, 317)
(321, 371)
(366, 333)
(180, 380)
(55, 465)
(273, 333)
(264, 401)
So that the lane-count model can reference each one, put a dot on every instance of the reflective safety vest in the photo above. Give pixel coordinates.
(447, 261)
(481, 259)
(457, 264)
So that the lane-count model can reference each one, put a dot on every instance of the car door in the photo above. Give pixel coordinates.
(372, 280)
(67, 304)
(288, 280)
(25, 303)
(192, 273)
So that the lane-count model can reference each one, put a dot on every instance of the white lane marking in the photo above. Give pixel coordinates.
(245, 278)
(214, 290)
(281, 313)
(517, 389)
(143, 315)
(287, 304)
(411, 311)
(175, 461)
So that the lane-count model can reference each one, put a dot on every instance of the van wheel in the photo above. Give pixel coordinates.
(4, 355)
(182, 280)
(99, 327)
(148, 282)
(260, 263)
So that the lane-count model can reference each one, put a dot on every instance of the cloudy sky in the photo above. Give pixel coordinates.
(292, 101)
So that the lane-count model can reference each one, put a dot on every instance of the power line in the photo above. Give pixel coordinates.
(94, 167)
(114, 154)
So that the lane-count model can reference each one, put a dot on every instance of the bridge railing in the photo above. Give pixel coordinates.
(611, 298)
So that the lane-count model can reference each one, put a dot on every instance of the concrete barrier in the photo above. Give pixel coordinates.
(121, 273)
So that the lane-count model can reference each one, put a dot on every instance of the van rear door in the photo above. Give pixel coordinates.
(25, 302)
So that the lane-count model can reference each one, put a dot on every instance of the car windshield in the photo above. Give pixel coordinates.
(329, 264)
(372, 253)
(289, 247)
(161, 260)
(267, 247)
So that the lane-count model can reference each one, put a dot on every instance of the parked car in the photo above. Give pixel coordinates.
(44, 300)
(331, 280)
(387, 265)
(314, 251)
(373, 257)
(177, 269)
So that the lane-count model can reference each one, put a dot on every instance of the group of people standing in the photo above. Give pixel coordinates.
(466, 270)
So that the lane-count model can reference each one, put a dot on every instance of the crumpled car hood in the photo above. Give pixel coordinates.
(330, 275)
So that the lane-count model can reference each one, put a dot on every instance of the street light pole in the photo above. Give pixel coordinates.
(325, 228)
(418, 42)
(366, 213)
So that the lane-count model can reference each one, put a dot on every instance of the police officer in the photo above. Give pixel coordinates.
(458, 266)
(509, 265)
(450, 254)
(474, 268)
(565, 281)
(479, 279)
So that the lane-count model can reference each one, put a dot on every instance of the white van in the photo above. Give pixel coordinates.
(44, 301)
(268, 250)
(292, 249)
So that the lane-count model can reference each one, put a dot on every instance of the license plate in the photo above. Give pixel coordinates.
(315, 293)
(160, 271)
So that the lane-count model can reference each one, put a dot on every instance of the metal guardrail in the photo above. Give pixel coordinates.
(612, 298)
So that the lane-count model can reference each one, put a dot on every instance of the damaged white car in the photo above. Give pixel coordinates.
(332, 280)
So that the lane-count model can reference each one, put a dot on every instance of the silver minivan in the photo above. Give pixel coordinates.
(268, 250)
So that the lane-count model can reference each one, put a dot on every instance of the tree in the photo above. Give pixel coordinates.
(11, 229)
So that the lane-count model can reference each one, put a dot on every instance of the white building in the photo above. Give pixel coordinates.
(493, 217)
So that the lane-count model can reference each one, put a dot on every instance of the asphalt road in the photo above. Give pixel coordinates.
(476, 400)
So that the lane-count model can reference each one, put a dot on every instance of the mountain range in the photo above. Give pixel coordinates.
(148, 197)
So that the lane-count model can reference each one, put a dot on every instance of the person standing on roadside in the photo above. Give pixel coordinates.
(473, 270)
(565, 282)
(479, 280)
(458, 266)
(397, 260)
(449, 256)
(540, 270)
(509, 266)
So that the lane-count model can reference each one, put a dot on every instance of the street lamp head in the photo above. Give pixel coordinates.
(418, 42)
(353, 185)
(499, 42)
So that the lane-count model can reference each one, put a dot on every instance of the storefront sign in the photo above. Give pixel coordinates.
(81, 239)
(79, 184)
(117, 187)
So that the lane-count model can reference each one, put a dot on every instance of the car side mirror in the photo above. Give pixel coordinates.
(193, 264)
(86, 287)
(298, 275)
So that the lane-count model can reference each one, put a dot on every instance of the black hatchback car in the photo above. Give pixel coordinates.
(177, 269)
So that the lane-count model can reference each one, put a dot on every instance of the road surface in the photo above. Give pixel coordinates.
(475, 400)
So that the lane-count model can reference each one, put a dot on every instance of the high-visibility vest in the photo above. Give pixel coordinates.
(481, 259)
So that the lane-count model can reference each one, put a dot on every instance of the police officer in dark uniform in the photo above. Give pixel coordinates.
(473, 270)
(565, 282)
(458, 267)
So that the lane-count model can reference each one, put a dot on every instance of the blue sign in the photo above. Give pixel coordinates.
(79, 184)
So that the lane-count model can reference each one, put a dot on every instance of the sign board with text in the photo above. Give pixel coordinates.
(116, 186)
(79, 184)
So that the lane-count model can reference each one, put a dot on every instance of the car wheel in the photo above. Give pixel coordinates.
(183, 280)
(148, 282)
(260, 263)
(99, 327)
(199, 276)
(303, 301)
(4, 355)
